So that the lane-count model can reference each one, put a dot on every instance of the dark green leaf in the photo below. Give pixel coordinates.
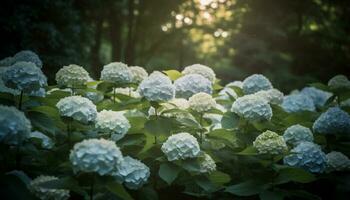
(168, 172)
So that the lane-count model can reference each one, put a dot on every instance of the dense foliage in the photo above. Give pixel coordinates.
(134, 136)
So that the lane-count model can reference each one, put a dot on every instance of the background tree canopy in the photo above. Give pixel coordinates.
(291, 42)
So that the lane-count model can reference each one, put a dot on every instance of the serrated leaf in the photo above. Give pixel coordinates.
(173, 74)
(230, 120)
(219, 178)
(168, 172)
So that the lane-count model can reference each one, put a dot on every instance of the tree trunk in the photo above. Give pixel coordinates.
(115, 25)
(95, 49)
(130, 46)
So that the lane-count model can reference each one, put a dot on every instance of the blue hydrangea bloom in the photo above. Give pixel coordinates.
(157, 87)
(28, 56)
(333, 121)
(191, 84)
(319, 97)
(256, 83)
(307, 156)
(297, 103)
(295, 134)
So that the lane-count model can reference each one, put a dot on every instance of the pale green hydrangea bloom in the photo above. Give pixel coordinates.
(273, 96)
(35, 186)
(270, 143)
(117, 73)
(202, 102)
(337, 161)
(339, 82)
(138, 74)
(72, 76)
(207, 164)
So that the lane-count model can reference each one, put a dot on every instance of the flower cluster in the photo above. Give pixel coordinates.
(117, 73)
(95, 155)
(270, 143)
(319, 97)
(339, 82)
(132, 172)
(77, 107)
(256, 83)
(3, 87)
(252, 108)
(273, 96)
(297, 103)
(157, 87)
(27, 56)
(14, 126)
(24, 76)
(207, 164)
(112, 122)
(203, 70)
(238, 84)
(72, 76)
(227, 93)
(295, 134)
(337, 161)
(35, 186)
(181, 146)
(46, 142)
(308, 156)
(191, 84)
(333, 121)
(138, 74)
(202, 102)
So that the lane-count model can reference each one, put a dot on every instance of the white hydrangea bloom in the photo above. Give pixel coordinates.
(273, 96)
(295, 134)
(191, 84)
(235, 83)
(72, 76)
(24, 76)
(298, 103)
(112, 122)
(207, 164)
(133, 173)
(27, 56)
(47, 193)
(181, 146)
(179, 103)
(256, 83)
(77, 107)
(202, 102)
(252, 108)
(227, 93)
(337, 161)
(270, 143)
(138, 74)
(14, 126)
(319, 97)
(339, 82)
(116, 72)
(95, 155)
(128, 91)
(203, 70)
(157, 87)
(46, 142)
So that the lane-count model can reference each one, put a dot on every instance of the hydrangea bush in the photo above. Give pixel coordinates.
(172, 134)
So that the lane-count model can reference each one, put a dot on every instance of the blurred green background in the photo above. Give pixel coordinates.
(292, 42)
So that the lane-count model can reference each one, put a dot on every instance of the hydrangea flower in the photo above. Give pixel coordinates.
(295, 134)
(14, 126)
(227, 93)
(235, 84)
(6, 62)
(28, 56)
(191, 84)
(77, 107)
(72, 76)
(333, 121)
(180, 146)
(273, 96)
(203, 70)
(307, 156)
(337, 161)
(202, 102)
(297, 103)
(109, 121)
(133, 173)
(116, 72)
(24, 76)
(176, 103)
(138, 74)
(128, 91)
(3, 87)
(339, 82)
(252, 108)
(157, 87)
(47, 193)
(94, 96)
(256, 83)
(345, 103)
(319, 97)
(46, 142)
(207, 164)
(270, 143)
(95, 155)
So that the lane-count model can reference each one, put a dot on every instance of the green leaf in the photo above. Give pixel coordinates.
(219, 178)
(168, 172)
(173, 74)
(247, 188)
(249, 151)
(229, 120)
(205, 184)
(160, 126)
(272, 195)
(191, 123)
(148, 144)
(47, 110)
(105, 86)
(42, 122)
(148, 193)
(21, 175)
(64, 183)
(226, 136)
(118, 190)
(294, 174)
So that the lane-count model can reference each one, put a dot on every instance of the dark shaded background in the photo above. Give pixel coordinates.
(292, 42)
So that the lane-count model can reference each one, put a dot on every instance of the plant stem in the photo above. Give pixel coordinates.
(92, 189)
(69, 127)
(20, 101)
(201, 132)
(114, 94)
(18, 157)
